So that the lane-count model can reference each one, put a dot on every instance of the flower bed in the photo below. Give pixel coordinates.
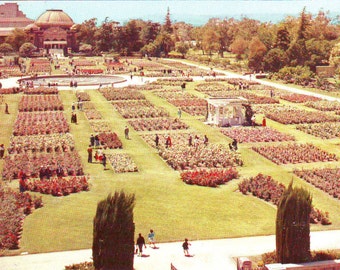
(58, 186)
(121, 94)
(266, 188)
(82, 96)
(110, 140)
(40, 123)
(122, 163)
(12, 90)
(294, 116)
(178, 138)
(294, 153)
(41, 90)
(157, 124)
(213, 86)
(260, 134)
(100, 126)
(209, 178)
(324, 105)
(31, 103)
(89, 71)
(14, 207)
(31, 164)
(326, 179)
(328, 130)
(41, 143)
(139, 109)
(298, 98)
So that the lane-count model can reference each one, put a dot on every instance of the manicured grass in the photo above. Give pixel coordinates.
(163, 202)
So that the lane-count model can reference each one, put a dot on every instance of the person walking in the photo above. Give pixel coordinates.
(126, 132)
(2, 151)
(264, 122)
(140, 243)
(157, 140)
(104, 161)
(185, 246)
(151, 238)
(89, 154)
(179, 113)
(92, 140)
(6, 108)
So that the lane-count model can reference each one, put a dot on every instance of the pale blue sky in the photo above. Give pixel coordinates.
(195, 12)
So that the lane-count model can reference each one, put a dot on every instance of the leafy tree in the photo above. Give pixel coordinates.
(282, 39)
(210, 41)
(6, 48)
(86, 32)
(86, 48)
(292, 226)
(182, 48)
(257, 50)
(274, 60)
(239, 46)
(132, 37)
(149, 32)
(105, 35)
(164, 43)
(26, 49)
(113, 233)
(150, 50)
(319, 52)
(17, 38)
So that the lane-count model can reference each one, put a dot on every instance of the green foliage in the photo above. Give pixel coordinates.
(17, 38)
(113, 233)
(26, 49)
(298, 75)
(274, 60)
(6, 48)
(292, 226)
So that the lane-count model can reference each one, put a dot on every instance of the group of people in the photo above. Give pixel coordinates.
(140, 244)
(99, 156)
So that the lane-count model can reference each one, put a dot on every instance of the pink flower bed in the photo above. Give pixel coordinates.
(12, 90)
(324, 105)
(14, 207)
(139, 109)
(266, 188)
(328, 130)
(122, 163)
(209, 178)
(260, 134)
(58, 186)
(40, 123)
(32, 103)
(110, 140)
(90, 70)
(326, 179)
(100, 126)
(294, 153)
(157, 124)
(295, 116)
(298, 98)
(121, 94)
(70, 163)
(41, 90)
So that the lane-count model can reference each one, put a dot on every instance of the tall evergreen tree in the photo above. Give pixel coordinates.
(167, 27)
(113, 233)
(292, 226)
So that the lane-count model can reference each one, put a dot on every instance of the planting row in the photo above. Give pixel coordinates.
(33, 103)
(121, 163)
(328, 130)
(121, 94)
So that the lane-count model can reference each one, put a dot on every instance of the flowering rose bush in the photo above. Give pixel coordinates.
(209, 178)
(14, 207)
(31, 164)
(122, 163)
(294, 153)
(324, 105)
(260, 134)
(291, 115)
(121, 94)
(100, 126)
(110, 140)
(266, 188)
(41, 90)
(40, 123)
(298, 98)
(328, 130)
(41, 143)
(157, 124)
(31, 103)
(139, 109)
(58, 186)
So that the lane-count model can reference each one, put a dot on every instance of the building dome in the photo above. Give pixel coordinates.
(54, 17)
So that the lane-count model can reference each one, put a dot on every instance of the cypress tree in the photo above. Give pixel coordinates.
(113, 233)
(292, 226)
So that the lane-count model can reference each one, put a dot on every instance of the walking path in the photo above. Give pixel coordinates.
(209, 254)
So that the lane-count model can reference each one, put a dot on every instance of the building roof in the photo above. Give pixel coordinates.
(54, 17)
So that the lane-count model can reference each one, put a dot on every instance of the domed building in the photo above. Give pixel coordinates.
(52, 32)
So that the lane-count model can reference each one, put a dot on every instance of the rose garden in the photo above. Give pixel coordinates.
(202, 188)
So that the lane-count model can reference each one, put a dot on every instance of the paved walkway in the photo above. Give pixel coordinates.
(209, 254)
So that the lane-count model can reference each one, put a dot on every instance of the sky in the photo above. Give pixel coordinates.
(196, 12)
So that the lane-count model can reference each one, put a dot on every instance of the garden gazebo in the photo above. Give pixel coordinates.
(226, 111)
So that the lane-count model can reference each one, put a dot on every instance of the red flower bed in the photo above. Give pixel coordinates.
(294, 153)
(90, 70)
(12, 90)
(298, 98)
(58, 186)
(209, 178)
(110, 140)
(157, 124)
(40, 123)
(33, 103)
(41, 90)
(260, 134)
(266, 188)
(14, 207)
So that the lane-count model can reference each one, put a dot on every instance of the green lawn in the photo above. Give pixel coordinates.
(164, 203)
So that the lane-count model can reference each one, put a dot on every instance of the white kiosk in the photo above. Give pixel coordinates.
(226, 111)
